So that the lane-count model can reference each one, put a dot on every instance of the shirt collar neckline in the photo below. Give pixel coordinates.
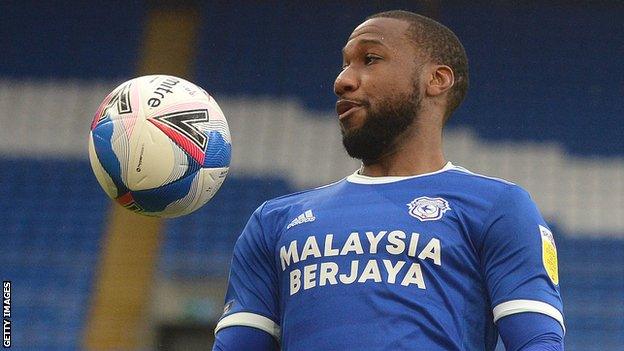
(358, 178)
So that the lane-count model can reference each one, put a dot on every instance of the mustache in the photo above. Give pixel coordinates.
(363, 103)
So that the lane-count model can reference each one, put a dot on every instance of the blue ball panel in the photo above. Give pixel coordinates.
(156, 200)
(218, 151)
(102, 142)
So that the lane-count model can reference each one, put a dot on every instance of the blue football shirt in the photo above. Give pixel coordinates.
(427, 262)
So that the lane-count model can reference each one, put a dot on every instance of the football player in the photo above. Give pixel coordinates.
(410, 252)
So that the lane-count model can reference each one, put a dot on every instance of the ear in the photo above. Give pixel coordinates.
(441, 79)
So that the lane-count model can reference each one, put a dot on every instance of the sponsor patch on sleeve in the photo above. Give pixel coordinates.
(549, 254)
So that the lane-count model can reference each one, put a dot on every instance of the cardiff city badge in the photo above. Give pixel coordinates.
(427, 208)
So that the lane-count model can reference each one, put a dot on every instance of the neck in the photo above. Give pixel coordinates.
(418, 151)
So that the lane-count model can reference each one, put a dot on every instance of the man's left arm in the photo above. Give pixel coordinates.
(530, 331)
(519, 260)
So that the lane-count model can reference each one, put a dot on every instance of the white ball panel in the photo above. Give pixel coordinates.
(180, 164)
(159, 92)
(210, 180)
(152, 159)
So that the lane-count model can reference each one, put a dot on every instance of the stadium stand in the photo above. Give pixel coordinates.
(541, 112)
(53, 218)
(197, 246)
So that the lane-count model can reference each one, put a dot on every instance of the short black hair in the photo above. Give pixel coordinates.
(441, 46)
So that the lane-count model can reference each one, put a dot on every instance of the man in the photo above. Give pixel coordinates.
(410, 252)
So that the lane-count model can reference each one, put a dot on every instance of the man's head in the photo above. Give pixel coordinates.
(397, 66)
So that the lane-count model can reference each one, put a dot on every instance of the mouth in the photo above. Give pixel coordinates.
(346, 107)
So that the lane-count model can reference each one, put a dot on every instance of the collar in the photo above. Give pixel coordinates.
(362, 179)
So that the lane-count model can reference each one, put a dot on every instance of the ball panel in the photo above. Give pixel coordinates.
(201, 103)
(180, 130)
(218, 152)
(210, 181)
(220, 126)
(184, 165)
(217, 119)
(152, 159)
(206, 183)
(156, 200)
(103, 140)
(161, 92)
(122, 102)
(120, 144)
(100, 174)
(101, 112)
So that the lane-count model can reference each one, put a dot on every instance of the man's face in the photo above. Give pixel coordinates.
(378, 90)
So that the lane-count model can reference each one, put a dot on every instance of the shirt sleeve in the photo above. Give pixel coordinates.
(252, 295)
(519, 258)
(530, 332)
(244, 339)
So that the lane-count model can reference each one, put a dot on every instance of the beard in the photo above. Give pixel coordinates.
(384, 124)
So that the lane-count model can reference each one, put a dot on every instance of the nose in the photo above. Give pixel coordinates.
(346, 82)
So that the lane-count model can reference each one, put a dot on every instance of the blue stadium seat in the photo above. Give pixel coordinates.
(51, 235)
(201, 243)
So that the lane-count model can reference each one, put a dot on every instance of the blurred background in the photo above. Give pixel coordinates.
(545, 110)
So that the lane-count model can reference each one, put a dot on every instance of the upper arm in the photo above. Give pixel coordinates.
(244, 339)
(252, 295)
(519, 259)
(530, 332)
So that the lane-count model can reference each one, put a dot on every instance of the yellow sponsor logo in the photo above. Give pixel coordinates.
(549, 254)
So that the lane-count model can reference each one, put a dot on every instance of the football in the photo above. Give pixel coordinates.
(160, 146)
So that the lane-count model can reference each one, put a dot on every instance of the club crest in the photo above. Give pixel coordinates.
(428, 209)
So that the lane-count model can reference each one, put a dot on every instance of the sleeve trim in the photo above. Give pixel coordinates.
(520, 306)
(246, 319)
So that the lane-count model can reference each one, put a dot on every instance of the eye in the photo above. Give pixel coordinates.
(370, 59)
